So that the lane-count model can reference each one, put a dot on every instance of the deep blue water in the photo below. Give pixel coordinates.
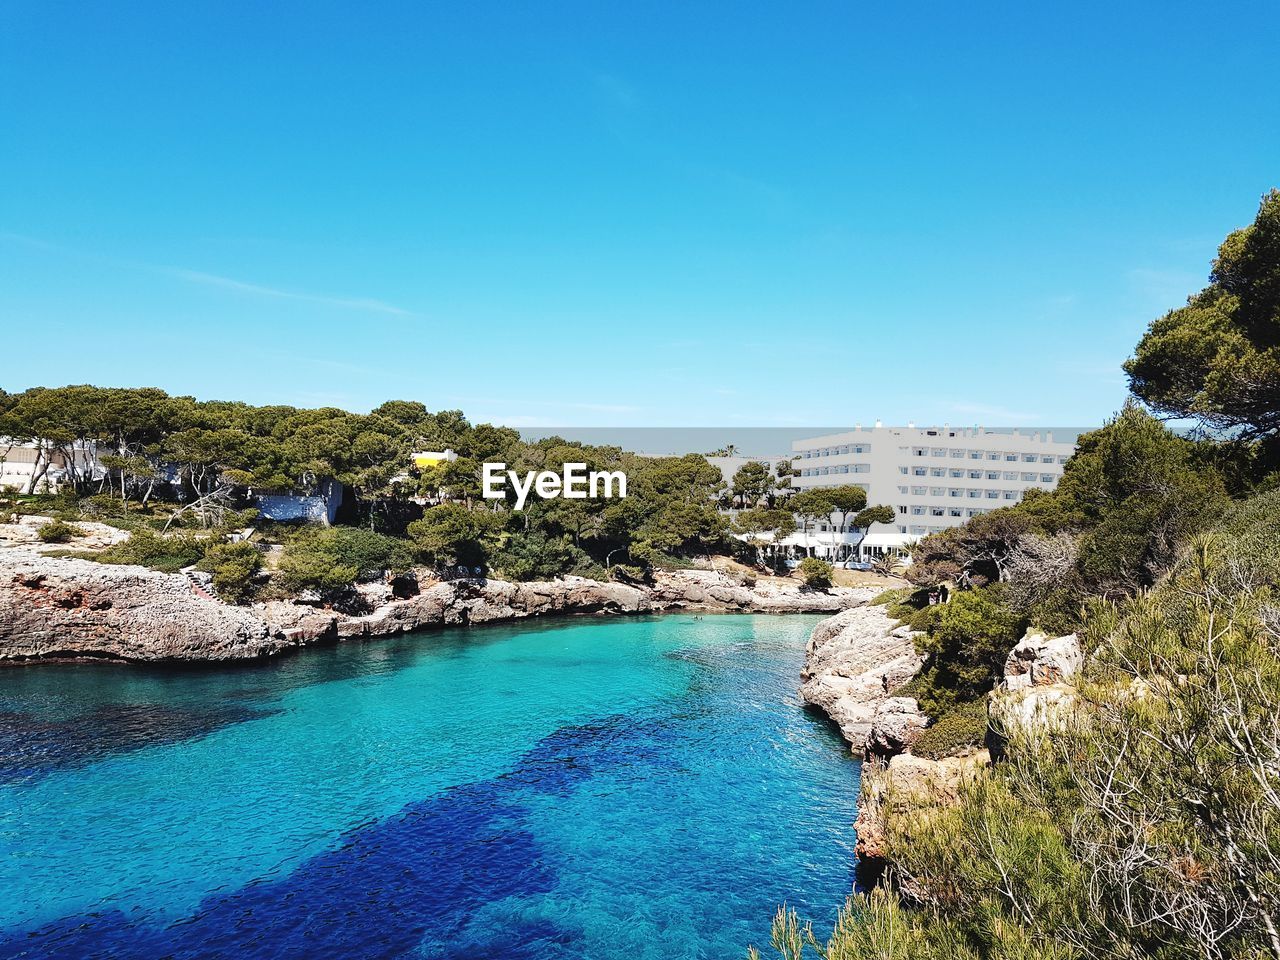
(597, 789)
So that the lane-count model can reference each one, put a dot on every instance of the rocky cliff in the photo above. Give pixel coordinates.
(854, 662)
(78, 608)
(58, 608)
(1035, 696)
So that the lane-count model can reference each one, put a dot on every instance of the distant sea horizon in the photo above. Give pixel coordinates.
(762, 442)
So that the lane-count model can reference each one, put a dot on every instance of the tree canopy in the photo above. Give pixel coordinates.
(1217, 360)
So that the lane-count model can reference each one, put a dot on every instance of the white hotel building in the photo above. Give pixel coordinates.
(932, 477)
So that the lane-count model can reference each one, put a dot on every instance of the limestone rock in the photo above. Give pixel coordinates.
(854, 661)
(1038, 660)
(906, 786)
(711, 590)
(1039, 709)
(895, 726)
(60, 607)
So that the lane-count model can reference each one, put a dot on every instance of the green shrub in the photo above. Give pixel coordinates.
(451, 534)
(233, 566)
(967, 640)
(333, 558)
(889, 597)
(533, 556)
(962, 727)
(815, 573)
(59, 531)
(168, 553)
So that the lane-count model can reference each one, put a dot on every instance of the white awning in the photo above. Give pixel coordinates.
(889, 540)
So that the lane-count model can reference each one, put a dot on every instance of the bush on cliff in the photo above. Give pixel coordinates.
(533, 556)
(956, 731)
(165, 552)
(967, 641)
(234, 566)
(59, 531)
(1144, 822)
(815, 573)
(330, 559)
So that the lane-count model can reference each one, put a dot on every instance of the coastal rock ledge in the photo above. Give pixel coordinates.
(56, 607)
(854, 662)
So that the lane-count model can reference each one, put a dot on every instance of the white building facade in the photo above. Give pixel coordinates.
(932, 477)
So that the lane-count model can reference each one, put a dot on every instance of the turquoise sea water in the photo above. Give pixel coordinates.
(638, 788)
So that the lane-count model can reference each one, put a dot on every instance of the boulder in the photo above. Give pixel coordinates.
(854, 661)
(895, 726)
(905, 788)
(1039, 660)
(61, 607)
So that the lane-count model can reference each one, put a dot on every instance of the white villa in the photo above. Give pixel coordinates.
(933, 478)
(20, 461)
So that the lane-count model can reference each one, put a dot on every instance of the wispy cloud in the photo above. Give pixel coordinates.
(240, 286)
(215, 280)
(616, 92)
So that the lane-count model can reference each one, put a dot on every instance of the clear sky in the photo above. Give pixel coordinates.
(595, 213)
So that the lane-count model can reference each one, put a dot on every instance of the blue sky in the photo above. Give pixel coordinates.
(622, 214)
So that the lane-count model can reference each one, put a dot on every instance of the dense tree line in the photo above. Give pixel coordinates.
(180, 458)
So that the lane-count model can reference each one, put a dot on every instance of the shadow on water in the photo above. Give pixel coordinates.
(408, 883)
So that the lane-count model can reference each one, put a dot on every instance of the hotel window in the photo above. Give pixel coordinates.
(1011, 457)
(919, 472)
(862, 468)
(937, 472)
(993, 456)
(903, 471)
(975, 474)
(1028, 458)
(993, 494)
(1028, 476)
(957, 473)
(918, 491)
(1010, 475)
(918, 530)
(1046, 459)
(938, 452)
(955, 512)
(1011, 494)
(1062, 459)
(937, 492)
(954, 493)
(902, 529)
(975, 494)
(937, 512)
(957, 454)
(920, 451)
(902, 489)
(917, 511)
(976, 513)
(975, 454)
(993, 474)
(1046, 478)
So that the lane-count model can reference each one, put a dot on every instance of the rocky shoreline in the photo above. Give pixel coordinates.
(855, 662)
(65, 608)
